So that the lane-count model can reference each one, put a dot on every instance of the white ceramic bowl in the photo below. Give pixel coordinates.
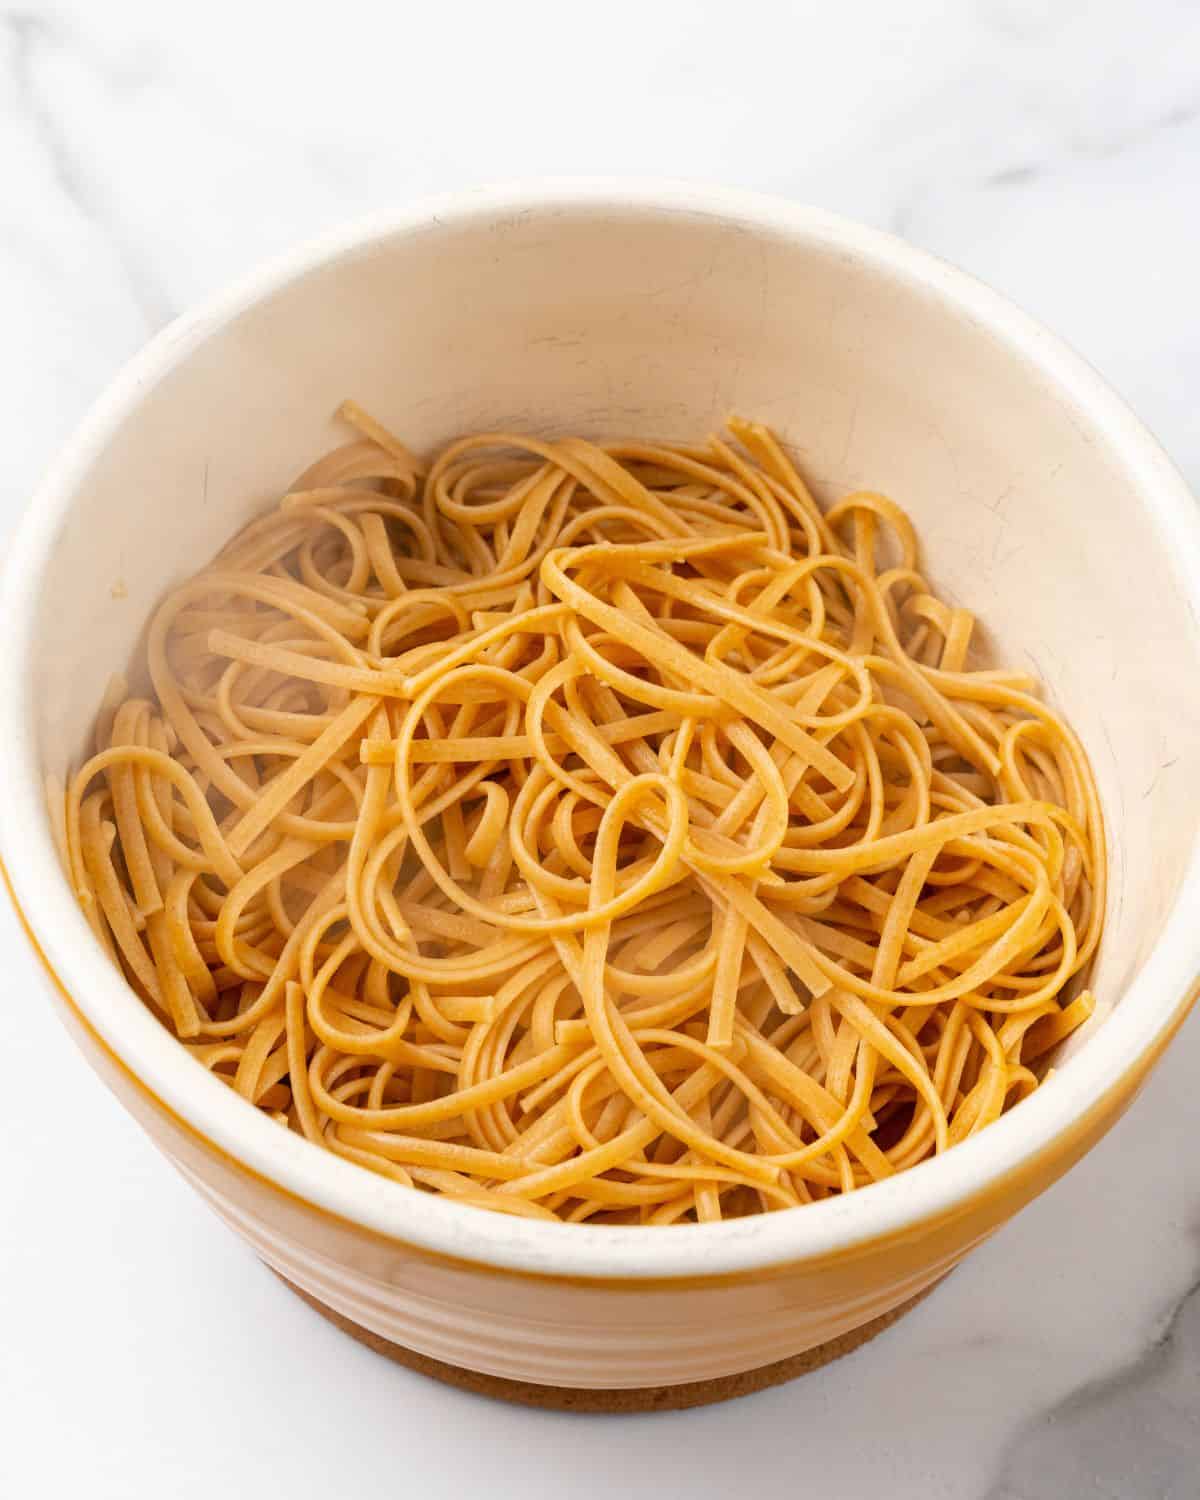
(648, 309)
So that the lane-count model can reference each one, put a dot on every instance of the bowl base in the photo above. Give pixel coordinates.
(623, 1401)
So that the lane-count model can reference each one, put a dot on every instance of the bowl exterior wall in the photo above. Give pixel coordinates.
(603, 1334)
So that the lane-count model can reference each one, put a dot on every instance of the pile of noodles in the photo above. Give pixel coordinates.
(591, 831)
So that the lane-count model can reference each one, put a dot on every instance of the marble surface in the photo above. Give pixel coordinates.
(148, 153)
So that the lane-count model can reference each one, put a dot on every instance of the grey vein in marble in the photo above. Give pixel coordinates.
(32, 34)
(1131, 1435)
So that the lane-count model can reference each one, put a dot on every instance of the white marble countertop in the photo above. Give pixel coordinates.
(149, 152)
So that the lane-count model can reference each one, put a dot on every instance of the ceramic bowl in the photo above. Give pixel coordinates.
(638, 309)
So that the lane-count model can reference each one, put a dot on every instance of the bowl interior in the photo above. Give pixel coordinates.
(1036, 498)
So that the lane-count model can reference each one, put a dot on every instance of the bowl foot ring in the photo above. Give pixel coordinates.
(617, 1402)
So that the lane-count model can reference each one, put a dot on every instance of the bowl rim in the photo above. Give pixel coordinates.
(1120, 1052)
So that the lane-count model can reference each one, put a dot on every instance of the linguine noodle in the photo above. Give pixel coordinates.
(592, 831)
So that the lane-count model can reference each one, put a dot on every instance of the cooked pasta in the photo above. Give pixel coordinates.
(591, 831)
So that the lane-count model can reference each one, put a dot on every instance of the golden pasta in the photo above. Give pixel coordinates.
(591, 831)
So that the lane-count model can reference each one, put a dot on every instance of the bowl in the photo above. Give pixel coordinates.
(643, 309)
